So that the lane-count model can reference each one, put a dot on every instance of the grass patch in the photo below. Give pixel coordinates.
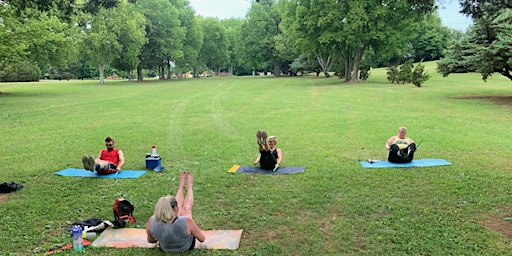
(208, 125)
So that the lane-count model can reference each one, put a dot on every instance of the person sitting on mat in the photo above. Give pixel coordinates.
(401, 149)
(270, 157)
(172, 225)
(109, 160)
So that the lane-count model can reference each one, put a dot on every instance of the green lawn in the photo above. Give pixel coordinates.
(335, 207)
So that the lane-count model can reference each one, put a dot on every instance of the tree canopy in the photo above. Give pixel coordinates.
(488, 46)
(349, 28)
(97, 38)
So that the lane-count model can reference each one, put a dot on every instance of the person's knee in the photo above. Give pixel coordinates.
(186, 210)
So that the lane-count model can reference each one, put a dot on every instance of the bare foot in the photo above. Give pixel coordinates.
(190, 178)
(183, 177)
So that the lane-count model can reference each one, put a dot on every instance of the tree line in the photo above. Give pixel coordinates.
(63, 39)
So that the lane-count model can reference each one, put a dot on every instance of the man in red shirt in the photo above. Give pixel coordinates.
(109, 160)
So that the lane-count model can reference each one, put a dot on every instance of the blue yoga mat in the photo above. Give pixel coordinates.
(415, 163)
(123, 174)
(280, 170)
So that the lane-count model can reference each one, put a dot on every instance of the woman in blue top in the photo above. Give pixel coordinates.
(172, 225)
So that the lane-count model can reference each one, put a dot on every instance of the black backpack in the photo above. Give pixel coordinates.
(94, 224)
(10, 187)
(123, 212)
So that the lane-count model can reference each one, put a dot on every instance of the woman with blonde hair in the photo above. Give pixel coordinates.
(401, 149)
(270, 157)
(172, 225)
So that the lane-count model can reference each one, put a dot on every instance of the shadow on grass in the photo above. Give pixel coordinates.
(500, 100)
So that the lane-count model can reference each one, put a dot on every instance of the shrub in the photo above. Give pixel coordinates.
(418, 75)
(364, 73)
(404, 75)
(392, 74)
(19, 70)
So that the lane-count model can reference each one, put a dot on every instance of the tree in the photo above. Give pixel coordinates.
(193, 40)
(432, 39)
(392, 74)
(66, 9)
(404, 75)
(165, 36)
(350, 27)
(214, 52)
(233, 32)
(101, 42)
(131, 36)
(262, 24)
(36, 37)
(489, 42)
(419, 75)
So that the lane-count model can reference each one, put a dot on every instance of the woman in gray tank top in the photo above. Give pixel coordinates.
(172, 225)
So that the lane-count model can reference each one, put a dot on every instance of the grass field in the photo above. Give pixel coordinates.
(335, 207)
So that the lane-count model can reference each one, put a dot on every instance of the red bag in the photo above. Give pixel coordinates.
(123, 212)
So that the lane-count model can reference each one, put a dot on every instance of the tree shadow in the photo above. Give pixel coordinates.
(500, 100)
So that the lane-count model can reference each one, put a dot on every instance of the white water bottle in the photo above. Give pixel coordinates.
(76, 235)
(153, 150)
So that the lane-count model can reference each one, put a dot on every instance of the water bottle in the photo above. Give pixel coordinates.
(153, 150)
(76, 235)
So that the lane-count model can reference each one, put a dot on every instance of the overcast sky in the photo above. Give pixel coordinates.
(223, 9)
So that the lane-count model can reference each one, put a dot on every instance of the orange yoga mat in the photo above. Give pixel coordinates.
(128, 237)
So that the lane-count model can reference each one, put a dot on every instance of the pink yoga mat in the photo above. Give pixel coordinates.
(128, 237)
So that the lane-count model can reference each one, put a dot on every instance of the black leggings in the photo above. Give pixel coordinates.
(395, 158)
(267, 160)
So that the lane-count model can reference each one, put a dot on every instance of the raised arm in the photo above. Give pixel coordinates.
(279, 157)
(121, 160)
(257, 159)
(389, 142)
(194, 230)
(150, 238)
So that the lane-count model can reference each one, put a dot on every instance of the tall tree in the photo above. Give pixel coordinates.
(131, 36)
(233, 32)
(489, 42)
(193, 40)
(432, 39)
(41, 37)
(165, 35)
(262, 24)
(214, 52)
(350, 27)
(101, 43)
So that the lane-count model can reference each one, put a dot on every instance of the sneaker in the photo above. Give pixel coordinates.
(403, 154)
(85, 161)
(92, 163)
(264, 137)
(258, 136)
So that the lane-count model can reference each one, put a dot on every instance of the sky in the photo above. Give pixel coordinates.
(223, 9)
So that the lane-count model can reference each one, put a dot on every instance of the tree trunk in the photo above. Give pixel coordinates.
(325, 65)
(101, 68)
(352, 59)
(169, 72)
(358, 54)
(277, 68)
(140, 77)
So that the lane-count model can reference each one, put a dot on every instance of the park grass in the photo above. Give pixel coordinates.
(335, 207)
